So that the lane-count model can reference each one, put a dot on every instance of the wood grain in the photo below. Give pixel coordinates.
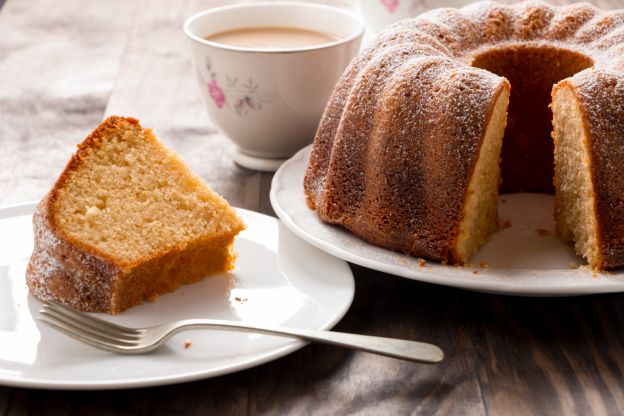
(63, 68)
(57, 68)
(5, 400)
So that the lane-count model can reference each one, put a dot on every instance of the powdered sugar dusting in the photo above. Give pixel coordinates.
(44, 264)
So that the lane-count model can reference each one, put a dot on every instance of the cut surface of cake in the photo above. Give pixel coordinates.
(406, 154)
(589, 166)
(127, 221)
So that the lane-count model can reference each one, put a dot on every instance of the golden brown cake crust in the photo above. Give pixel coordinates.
(67, 270)
(391, 158)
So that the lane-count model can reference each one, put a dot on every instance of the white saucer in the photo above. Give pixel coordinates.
(524, 259)
(279, 279)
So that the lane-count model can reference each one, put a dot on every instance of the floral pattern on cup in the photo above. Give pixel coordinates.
(242, 97)
(390, 5)
(216, 93)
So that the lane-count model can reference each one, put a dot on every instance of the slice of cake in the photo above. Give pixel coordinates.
(127, 221)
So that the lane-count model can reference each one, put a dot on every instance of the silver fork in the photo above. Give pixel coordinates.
(123, 340)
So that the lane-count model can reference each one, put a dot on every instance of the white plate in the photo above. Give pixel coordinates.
(279, 279)
(520, 261)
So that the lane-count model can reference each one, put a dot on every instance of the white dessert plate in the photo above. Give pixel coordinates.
(279, 279)
(525, 259)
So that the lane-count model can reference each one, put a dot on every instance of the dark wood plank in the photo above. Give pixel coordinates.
(5, 399)
(198, 398)
(265, 188)
(565, 354)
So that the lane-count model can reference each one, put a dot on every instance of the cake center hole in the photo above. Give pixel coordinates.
(527, 155)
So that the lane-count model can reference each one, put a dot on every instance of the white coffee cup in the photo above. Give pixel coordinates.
(269, 102)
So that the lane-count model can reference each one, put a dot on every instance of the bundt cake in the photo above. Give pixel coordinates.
(407, 152)
(126, 221)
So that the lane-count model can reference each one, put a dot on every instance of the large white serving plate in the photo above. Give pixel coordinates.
(525, 259)
(279, 279)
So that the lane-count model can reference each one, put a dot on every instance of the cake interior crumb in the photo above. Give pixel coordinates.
(574, 201)
(116, 205)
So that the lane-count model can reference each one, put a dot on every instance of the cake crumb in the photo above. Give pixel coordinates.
(572, 266)
(475, 271)
(594, 274)
(239, 299)
(484, 265)
(542, 232)
(187, 345)
(504, 224)
(422, 263)
(444, 262)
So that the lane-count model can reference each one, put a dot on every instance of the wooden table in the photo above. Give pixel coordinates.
(65, 65)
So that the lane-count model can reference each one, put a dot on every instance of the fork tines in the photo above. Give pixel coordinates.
(89, 329)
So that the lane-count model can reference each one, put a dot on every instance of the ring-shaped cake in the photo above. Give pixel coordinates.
(412, 149)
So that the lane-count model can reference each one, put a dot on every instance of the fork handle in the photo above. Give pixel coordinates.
(390, 347)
